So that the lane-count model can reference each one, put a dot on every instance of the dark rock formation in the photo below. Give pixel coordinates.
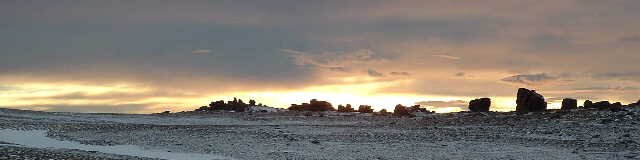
(601, 105)
(588, 104)
(616, 107)
(480, 105)
(313, 105)
(401, 110)
(530, 101)
(382, 112)
(569, 103)
(417, 108)
(637, 104)
(347, 108)
(236, 105)
(365, 109)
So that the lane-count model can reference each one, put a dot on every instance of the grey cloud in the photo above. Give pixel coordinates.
(339, 59)
(339, 69)
(633, 38)
(450, 57)
(608, 88)
(201, 51)
(460, 74)
(529, 79)
(150, 54)
(455, 30)
(374, 73)
(400, 73)
(630, 75)
(549, 42)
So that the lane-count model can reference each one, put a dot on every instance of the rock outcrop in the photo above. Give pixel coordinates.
(313, 105)
(604, 105)
(569, 103)
(401, 110)
(587, 104)
(480, 105)
(365, 109)
(530, 101)
(616, 107)
(599, 105)
(637, 104)
(346, 108)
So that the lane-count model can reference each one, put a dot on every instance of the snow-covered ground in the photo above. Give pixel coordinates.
(287, 135)
(38, 139)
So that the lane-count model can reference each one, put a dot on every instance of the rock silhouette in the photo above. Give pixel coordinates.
(365, 109)
(416, 108)
(347, 108)
(480, 105)
(569, 103)
(599, 105)
(530, 101)
(616, 107)
(401, 110)
(588, 104)
(236, 105)
(313, 105)
(604, 105)
(637, 104)
(383, 112)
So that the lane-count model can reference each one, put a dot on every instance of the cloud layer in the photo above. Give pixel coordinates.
(198, 50)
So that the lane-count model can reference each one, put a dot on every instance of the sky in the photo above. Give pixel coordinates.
(145, 56)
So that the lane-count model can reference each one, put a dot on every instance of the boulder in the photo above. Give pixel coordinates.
(401, 110)
(588, 104)
(569, 103)
(637, 104)
(530, 101)
(480, 105)
(313, 105)
(365, 109)
(601, 105)
(616, 107)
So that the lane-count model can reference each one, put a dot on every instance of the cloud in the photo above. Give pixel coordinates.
(374, 73)
(529, 79)
(201, 51)
(3, 88)
(549, 42)
(339, 69)
(446, 57)
(633, 38)
(400, 73)
(335, 61)
(305, 58)
(608, 88)
(460, 74)
(630, 75)
(460, 104)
